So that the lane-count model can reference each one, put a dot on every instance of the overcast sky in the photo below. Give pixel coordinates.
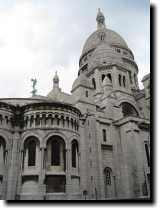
(38, 37)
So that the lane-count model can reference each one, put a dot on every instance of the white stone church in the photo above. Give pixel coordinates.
(93, 144)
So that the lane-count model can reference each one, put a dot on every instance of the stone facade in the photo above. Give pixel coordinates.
(94, 141)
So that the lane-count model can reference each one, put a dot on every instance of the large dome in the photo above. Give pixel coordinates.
(111, 37)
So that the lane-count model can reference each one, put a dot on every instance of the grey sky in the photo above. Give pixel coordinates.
(38, 37)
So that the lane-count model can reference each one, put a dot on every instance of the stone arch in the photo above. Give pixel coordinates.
(54, 134)
(74, 136)
(7, 141)
(129, 109)
(135, 106)
(29, 134)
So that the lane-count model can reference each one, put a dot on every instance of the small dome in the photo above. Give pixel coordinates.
(100, 14)
(56, 77)
(81, 80)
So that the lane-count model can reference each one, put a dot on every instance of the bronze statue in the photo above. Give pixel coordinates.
(34, 91)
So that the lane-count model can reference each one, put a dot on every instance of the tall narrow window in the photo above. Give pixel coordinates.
(109, 77)
(147, 154)
(94, 83)
(130, 77)
(32, 120)
(55, 153)
(104, 135)
(135, 79)
(108, 177)
(1, 119)
(32, 153)
(37, 121)
(103, 76)
(124, 81)
(74, 153)
(120, 79)
(87, 94)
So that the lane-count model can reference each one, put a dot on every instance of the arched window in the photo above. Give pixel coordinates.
(109, 77)
(107, 172)
(44, 120)
(104, 135)
(103, 76)
(31, 120)
(56, 120)
(31, 153)
(130, 77)
(37, 121)
(6, 120)
(55, 153)
(50, 120)
(124, 81)
(74, 153)
(135, 79)
(94, 83)
(2, 153)
(147, 154)
(128, 109)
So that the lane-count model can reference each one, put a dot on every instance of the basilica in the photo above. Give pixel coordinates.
(92, 144)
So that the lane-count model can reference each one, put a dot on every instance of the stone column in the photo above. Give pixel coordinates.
(13, 167)
(4, 182)
(19, 185)
(42, 186)
(79, 161)
(5, 160)
(42, 158)
(68, 174)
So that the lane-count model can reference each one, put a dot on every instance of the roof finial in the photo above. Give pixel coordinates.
(56, 80)
(100, 20)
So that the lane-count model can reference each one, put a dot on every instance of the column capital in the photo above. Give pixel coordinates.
(68, 148)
